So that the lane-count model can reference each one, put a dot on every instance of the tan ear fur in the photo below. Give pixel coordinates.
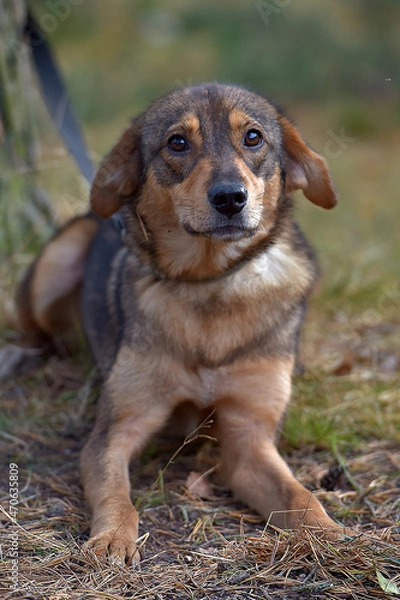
(118, 175)
(305, 169)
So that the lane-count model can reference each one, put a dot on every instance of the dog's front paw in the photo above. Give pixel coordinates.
(117, 547)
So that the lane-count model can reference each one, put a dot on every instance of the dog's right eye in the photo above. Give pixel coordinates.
(177, 143)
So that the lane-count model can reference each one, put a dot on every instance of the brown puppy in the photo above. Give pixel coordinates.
(195, 292)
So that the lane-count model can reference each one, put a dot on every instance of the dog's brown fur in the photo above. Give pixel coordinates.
(194, 293)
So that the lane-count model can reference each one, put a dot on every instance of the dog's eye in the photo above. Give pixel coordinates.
(253, 138)
(177, 143)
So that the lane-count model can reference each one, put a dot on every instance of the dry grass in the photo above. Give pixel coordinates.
(204, 549)
(197, 549)
(267, 566)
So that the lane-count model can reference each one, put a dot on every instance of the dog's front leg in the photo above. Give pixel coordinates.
(122, 428)
(248, 420)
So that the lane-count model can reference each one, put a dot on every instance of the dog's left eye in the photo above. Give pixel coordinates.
(253, 138)
(177, 143)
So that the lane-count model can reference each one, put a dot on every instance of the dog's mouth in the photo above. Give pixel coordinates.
(224, 232)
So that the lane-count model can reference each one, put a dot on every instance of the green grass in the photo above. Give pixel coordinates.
(329, 411)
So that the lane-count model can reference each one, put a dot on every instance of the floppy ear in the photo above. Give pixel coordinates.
(305, 169)
(119, 174)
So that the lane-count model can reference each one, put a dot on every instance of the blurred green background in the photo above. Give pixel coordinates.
(333, 64)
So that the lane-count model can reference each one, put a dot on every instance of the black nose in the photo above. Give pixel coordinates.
(228, 198)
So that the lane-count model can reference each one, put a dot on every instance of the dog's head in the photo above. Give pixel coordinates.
(212, 163)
